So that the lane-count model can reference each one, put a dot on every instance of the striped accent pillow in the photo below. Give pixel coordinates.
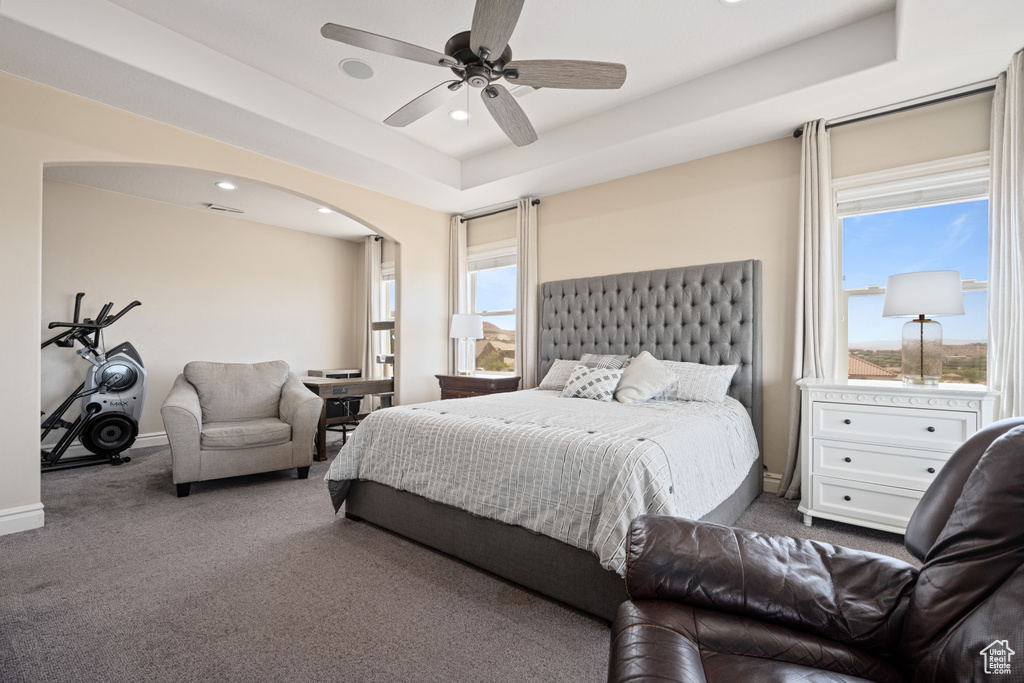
(597, 360)
(593, 383)
(558, 375)
(698, 382)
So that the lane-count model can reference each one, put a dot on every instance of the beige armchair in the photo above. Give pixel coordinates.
(229, 419)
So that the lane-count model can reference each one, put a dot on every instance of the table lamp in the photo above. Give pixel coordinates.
(919, 295)
(465, 327)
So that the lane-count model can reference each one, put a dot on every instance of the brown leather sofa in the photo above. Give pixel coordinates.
(712, 603)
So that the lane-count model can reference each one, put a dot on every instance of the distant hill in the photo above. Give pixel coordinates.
(492, 331)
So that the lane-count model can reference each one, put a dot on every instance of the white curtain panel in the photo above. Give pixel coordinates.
(371, 313)
(814, 353)
(527, 293)
(1006, 243)
(458, 285)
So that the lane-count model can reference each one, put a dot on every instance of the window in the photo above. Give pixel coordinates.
(387, 290)
(492, 295)
(929, 222)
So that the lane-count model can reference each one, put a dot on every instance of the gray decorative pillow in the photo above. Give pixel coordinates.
(698, 382)
(597, 360)
(593, 383)
(643, 378)
(558, 375)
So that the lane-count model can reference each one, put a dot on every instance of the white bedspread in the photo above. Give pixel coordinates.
(573, 469)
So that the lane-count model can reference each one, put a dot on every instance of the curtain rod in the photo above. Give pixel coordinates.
(535, 202)
(917, 105)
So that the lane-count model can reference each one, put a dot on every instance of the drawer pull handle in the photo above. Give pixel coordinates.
(846, 498)
(848, 459)
(931, 429)
(931, 470)
(847, 421)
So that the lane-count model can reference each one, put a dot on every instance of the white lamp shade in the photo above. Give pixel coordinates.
(929, 293)
(467, 326)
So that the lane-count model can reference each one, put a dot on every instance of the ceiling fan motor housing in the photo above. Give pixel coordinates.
(477, 72)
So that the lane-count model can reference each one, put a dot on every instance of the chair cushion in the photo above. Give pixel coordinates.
(230, 392)
(223, 436)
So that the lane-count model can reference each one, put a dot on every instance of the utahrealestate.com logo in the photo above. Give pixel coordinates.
(997, 656)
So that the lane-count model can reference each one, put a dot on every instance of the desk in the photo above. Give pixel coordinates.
(325, 388)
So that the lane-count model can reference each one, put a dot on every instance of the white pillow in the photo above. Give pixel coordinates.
(558, 375)
(698, 382)
(593, 383)
(643, 378)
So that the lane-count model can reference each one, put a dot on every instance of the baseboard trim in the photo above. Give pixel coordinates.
(23, 518)
(771, 482)
(77, 450)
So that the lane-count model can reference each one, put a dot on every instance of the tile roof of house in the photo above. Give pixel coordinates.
(862, 369)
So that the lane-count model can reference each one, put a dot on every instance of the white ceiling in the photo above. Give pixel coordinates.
(196, 189)
(703, 77)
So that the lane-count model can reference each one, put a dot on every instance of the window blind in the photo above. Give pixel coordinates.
(941, 188)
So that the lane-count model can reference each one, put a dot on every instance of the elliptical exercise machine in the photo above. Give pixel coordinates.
(112, 394)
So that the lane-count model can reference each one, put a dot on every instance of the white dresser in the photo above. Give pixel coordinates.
(871, 448)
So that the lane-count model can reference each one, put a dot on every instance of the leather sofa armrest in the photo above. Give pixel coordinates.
(850, 596)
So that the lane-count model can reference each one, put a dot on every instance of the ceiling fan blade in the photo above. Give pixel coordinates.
(509, 115)
(566, 73)
(493, 23)
(423, 105)
(385, 45)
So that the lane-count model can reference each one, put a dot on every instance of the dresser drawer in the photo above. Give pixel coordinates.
(891, 466)
(885, 505)
(941, 430)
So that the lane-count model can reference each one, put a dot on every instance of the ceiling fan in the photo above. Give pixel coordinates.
(480, 57)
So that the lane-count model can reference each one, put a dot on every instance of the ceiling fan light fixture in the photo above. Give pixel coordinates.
(458, 114)
(356, 68)
(226, 185)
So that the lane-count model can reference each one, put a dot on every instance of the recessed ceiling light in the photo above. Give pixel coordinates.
(225, 185)
(356, 68)
(730, 2)
(324, 209)
(459, 114)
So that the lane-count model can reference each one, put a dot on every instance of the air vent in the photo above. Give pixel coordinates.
(219, 207)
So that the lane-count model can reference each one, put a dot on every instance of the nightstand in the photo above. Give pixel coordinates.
(462, 386)
(869, 449)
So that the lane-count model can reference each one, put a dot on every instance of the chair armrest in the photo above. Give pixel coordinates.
(301, 409)
(850, 596)
(295, 395)
(183, 420)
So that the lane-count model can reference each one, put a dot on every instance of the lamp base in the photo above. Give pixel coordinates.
(922, 352)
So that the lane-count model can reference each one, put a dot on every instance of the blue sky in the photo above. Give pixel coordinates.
(496, 291)
(947, 237)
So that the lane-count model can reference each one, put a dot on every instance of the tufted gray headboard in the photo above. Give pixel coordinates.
(699, 314)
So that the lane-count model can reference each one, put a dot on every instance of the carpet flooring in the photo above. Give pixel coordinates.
(256, 579)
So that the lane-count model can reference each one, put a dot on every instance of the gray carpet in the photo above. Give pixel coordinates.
(256, 579)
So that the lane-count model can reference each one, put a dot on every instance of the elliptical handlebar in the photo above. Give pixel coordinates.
(81, 330)
(104, 319)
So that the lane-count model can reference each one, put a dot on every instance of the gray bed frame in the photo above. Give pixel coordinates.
(707, 314)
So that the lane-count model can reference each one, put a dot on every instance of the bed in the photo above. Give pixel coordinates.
(467, 476)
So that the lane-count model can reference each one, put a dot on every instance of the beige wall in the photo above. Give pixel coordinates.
(496, 228)
(937, 132)
(729, 207)
(211, 287)
(40, 125)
